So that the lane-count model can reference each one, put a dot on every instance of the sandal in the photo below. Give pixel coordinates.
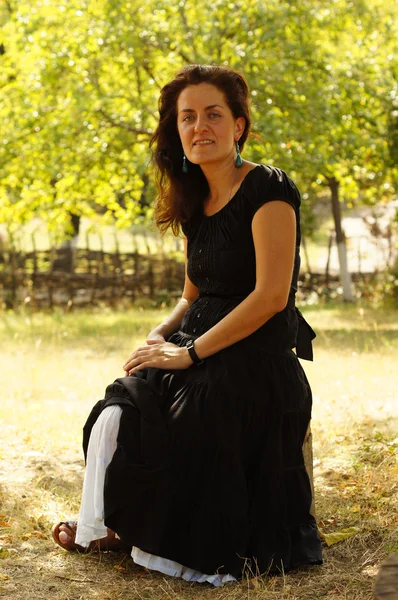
(106, 543)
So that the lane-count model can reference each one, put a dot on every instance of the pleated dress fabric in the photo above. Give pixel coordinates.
(208, 470)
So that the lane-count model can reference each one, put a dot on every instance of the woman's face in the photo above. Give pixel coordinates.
(207, 127)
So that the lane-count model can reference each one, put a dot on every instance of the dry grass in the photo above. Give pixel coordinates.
(54, 367)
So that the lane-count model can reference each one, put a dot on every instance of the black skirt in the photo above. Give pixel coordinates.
(209, 468)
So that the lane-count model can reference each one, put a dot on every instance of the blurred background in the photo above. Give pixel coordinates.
(80, 83)
(84, 275)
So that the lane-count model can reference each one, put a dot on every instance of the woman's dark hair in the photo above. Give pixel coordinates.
(181, 194)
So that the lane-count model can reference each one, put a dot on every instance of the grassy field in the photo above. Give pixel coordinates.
(54, 367)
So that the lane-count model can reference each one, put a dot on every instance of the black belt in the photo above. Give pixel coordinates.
(305, 333)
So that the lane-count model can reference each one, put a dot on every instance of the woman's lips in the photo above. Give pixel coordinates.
(204, 143)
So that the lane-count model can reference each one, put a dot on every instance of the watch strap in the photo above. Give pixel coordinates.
(192, 353)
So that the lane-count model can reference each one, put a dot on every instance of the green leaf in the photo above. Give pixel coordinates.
(339, 536)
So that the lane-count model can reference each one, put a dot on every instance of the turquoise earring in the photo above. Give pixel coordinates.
(184, 165)
(238, 161)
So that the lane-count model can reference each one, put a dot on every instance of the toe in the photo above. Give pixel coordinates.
(67, 529)
(64, 538)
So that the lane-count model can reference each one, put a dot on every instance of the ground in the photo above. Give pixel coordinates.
(54, 367)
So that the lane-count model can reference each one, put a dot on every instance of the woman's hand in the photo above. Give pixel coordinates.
(161, 355)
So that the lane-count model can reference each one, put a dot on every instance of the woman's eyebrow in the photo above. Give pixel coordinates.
(206, 108)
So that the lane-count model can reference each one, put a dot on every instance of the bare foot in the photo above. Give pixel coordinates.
(64, 534)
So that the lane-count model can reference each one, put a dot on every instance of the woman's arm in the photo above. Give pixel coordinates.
(173, 322)
(274, 236)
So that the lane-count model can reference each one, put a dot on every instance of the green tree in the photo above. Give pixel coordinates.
(80, 84)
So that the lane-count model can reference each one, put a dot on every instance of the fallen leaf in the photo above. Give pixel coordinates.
(40, 534)
(3, 577)
(119, 568)
(339, 536)
(8, 539)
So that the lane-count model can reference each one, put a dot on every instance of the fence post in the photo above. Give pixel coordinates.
(13, 264)
(102, 266)
(88, 257)
(33, 277)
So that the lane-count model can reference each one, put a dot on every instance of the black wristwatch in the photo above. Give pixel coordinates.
(192, 353)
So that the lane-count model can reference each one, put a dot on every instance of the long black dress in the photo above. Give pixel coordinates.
(209, 468)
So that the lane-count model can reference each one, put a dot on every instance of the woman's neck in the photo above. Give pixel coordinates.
(221, 178)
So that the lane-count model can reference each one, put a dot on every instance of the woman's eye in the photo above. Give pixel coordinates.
(189, 117)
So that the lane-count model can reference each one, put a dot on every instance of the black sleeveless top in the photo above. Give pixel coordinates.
(221, 263)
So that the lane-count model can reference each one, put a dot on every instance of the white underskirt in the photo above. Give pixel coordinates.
(102, 445)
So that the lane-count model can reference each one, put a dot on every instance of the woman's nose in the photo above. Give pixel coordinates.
(201, 124)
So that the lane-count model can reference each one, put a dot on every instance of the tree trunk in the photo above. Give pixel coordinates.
(307, 259)
(330, 243)
(345, 277)
(144, 200)
(65, 260)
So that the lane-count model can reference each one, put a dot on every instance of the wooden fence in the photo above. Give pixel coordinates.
(63, 277)
(69, 278)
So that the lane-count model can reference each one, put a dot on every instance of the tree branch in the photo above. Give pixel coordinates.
(8, 5)
(188, 31)
(125, 126)
(113, 122)
(186, 58)
(150, 73)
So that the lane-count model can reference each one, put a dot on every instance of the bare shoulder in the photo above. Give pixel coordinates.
(248, 166)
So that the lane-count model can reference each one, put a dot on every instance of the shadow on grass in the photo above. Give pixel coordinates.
(31, 564)
(357, 493)
(364, 316)
(356, 340)
(355, 478)
(77, 328)
(341, 328)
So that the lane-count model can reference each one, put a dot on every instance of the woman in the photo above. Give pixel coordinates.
(194, 459)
